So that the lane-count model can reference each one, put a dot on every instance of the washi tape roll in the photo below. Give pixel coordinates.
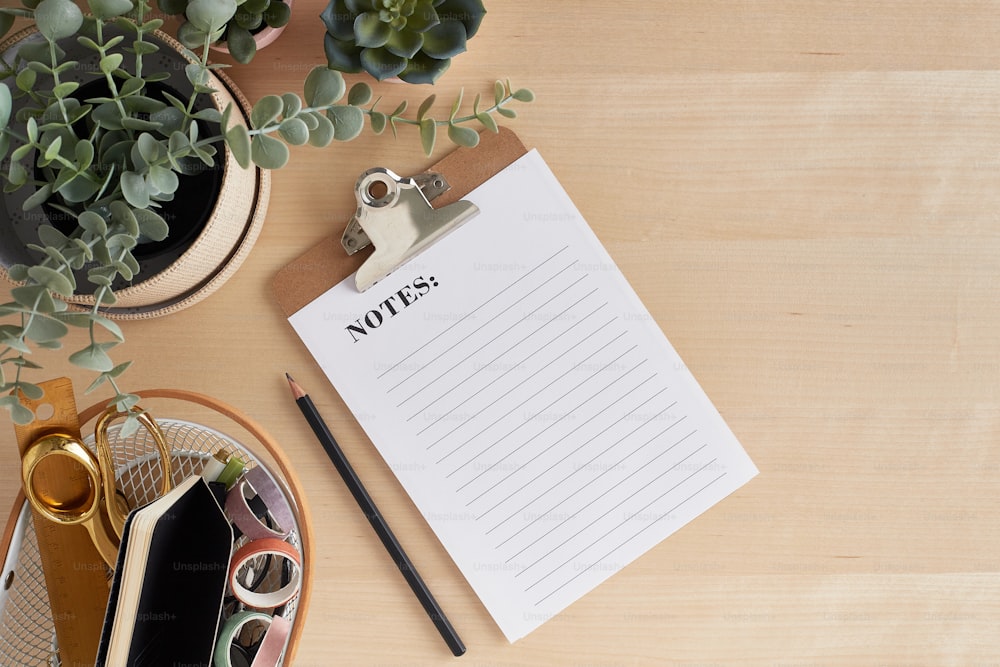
(277, 506)
(270, 649)
(263, 547)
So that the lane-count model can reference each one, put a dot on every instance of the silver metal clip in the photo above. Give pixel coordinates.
(394, 214)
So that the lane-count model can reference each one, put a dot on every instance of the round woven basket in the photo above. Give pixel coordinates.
(178, 280)
(27, 632)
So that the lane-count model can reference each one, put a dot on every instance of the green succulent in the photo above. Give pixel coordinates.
(412, 39)
(251, 16)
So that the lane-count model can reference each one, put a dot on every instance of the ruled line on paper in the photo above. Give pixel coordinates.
(529, 398)
(502, 354)
(625, 542)
(515, 367)
(393, 367)
(524, 423)
(614, 528)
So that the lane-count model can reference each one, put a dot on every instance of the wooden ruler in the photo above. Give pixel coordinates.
(75, 574)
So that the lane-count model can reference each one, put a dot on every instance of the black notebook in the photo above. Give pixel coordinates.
(170, 580)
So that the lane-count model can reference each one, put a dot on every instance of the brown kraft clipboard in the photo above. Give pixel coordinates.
(326, 264)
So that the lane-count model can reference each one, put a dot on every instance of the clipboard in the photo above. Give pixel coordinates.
(326, 264)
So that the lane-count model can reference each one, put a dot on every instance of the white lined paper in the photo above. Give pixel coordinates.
(525, 399)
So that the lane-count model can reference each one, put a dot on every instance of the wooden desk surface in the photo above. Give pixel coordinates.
(805, 196)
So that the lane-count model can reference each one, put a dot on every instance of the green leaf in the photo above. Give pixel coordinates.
(152, 227)
(52, 279)
(294, 131)
(240, 43)
(382, 63)
(110, 62)
(134, 189)
(57, 19)
(456, 105)
(507, 113)
(344, 56)
(425, 107)
(84, 153)
(94, 357)
(378, 120)
(347, 121)
(92, 222)
(6, 23)
(360, 94)
(268, 153)
(293, 105)
(424, 16)
(172, 6)
(370, 31)
(43, 329)
(267, 109)
(238, 140)
(463, 136)
(445, 40)
(323, 87)
(25, 80)
(323, 134)
(107, 9)
(20, 414)
(277, 14)
(37, 198)
(209, 16)
(424, 69)
(428, 134)
(6, 105)
(523, 95)
(488, 121)
(405, 43)
(163, 179)
(499, 92)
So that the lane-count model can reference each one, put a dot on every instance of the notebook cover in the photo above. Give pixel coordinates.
(185, 581)
(326, 264)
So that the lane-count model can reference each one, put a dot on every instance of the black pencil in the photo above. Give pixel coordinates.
(376, 519)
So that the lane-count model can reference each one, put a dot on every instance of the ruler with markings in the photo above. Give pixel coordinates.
(76, 577)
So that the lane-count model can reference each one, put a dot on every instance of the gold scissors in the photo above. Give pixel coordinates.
(101, 510)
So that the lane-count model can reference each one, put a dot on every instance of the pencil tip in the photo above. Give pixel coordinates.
(297, 391)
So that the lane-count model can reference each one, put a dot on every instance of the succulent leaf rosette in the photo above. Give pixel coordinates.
(414, 40)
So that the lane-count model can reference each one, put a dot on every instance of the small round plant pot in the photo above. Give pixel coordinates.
(211, 234)
(264, 37)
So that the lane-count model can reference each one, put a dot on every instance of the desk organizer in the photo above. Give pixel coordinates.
(27, 636)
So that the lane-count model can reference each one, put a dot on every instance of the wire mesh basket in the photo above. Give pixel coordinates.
(27, 630)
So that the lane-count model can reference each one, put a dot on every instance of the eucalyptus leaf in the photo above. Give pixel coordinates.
(107, 9)
(240, 43)
(347, 121)
(94, 357)
(43, 329)
(52, 279)
(323, 134)
(360, 94)
(323, 87)
(428, 134)
(238, 140)
(267, 109)
(152, 226)
(209, 16)
(134, 189)
(38, 197)
(463, 136)
(294, 131)
(378, 120)
(267, 152)
(57, 19)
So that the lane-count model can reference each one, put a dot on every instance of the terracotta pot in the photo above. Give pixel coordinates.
(263, 38)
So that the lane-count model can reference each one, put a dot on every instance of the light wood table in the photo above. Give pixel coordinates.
(805, 195)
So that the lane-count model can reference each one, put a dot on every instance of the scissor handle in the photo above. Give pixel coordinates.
(63, 510)
(106, 463)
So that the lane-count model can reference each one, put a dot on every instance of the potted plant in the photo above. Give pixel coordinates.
(256, 24)
(106, 164)
(413, 40)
